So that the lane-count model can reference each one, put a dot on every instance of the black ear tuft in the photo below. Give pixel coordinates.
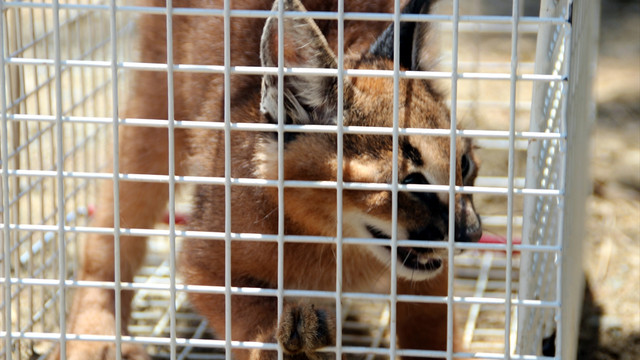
(409, 43)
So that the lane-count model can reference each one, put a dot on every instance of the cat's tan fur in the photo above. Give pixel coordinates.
(368, 101)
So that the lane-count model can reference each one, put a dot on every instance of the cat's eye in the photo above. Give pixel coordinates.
(415, 178)
(465, 165)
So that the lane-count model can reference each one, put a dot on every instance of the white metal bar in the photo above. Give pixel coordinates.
(339, 182)
(13, 31)
(393, 288)
(289, 71)
(281, 133)
(511, 174)
(324, 15)
(452, 176)
(493, 190)
(547, 113)
(564, 326)
(248, 345)
(62, 263)
(5, 194)
(172, 181)
(189, 124)
(497, 301)
(227, 179)
(288, 238)
(492, 27)
(583, 29)
(116, 182)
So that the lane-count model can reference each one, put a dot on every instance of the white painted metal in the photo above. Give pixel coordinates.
(559, 107)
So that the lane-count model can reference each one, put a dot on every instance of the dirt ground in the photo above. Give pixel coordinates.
(611, 312)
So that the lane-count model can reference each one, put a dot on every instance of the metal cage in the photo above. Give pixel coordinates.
(520, 75)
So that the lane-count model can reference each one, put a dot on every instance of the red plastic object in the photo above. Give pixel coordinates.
(497, 239)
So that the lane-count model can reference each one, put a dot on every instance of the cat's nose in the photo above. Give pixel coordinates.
(469, 233)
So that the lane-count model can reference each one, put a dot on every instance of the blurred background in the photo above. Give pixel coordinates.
(611, 310)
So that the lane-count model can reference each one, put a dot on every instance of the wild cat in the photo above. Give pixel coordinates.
(367, 101)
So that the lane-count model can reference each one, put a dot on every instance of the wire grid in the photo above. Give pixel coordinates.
(57, 67)
(479, 274)
(546, 172)
(31, 207)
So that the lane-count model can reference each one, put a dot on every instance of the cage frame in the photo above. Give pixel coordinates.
(582, 55)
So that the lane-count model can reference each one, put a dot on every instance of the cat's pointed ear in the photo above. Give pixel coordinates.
(307, 99)
(414, 39)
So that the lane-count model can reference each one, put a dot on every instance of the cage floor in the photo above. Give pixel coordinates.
(478, 275)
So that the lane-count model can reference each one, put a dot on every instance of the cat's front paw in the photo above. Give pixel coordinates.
(303, 329)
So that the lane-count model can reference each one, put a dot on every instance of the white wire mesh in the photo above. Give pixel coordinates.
(546, 171)
(53, 147)
(59, 69)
